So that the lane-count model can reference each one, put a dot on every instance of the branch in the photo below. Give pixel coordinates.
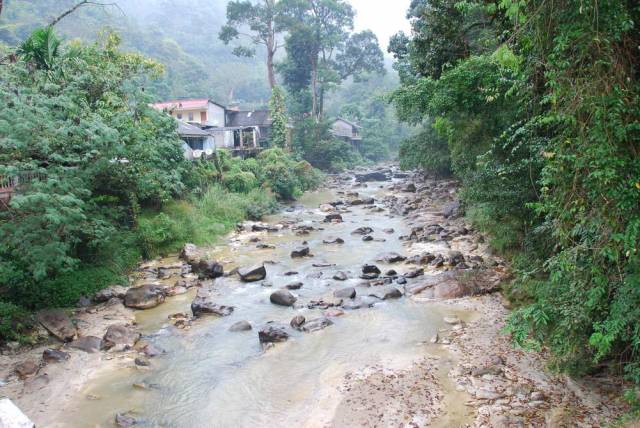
(76, 7)
(0, 7)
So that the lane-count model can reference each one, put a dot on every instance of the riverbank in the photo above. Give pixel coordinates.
(418, 345)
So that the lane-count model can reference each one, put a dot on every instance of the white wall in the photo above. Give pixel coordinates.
(215, 115)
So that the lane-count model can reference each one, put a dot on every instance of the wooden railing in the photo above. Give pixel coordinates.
(9, 183)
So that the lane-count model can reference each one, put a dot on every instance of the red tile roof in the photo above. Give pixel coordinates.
(198, 103)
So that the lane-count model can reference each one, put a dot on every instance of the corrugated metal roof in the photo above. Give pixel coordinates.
(190, 104)
(188, 130)
(248, 118)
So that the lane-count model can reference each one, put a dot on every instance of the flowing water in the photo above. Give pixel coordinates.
(211, 377)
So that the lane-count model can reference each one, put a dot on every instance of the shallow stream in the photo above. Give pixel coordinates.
(211, 377)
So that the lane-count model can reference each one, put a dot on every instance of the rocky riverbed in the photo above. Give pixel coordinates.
(369, 303)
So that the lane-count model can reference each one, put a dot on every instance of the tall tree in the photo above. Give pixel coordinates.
(332, 52)
(277, 111)
(260, 19)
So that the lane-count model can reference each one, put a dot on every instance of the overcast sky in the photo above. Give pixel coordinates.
(383, 17)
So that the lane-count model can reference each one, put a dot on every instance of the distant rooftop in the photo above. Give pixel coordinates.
(189, 104)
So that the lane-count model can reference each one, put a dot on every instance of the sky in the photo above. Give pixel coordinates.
(383, 17)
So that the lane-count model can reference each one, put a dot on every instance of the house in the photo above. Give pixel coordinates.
(201, 111)
(347, 131)
(207, 124)
(196, 141)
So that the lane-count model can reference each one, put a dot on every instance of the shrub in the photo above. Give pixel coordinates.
(15, 322)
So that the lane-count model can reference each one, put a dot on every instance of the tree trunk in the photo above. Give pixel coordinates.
(0, 7)
(314, 91)
(272, 75)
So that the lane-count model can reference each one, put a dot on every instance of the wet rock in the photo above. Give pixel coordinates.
(203, 304)
(241, 326)
(372, 176)
(422, 259)
(390, 257)
(316, 324)
(208, 269)
(389, 230)
(272, 333)
(367, 238)
(358, 303)
(26, 369)
(266, 284)
(391, 272)
(401, 280)
(333, 312)
(386, 293)
(364, 230)
(144, 297)
(142, 362)
(410, 188)
(125, 420)
(12, 417)
(449, 287)
(370, 269)
(89, 344)
(340, 276)
(252, 274)
(119, 337)
(334, 217)
(290, 273)
(302, 251)
(452, 210)
(56, 322)
(334, 241)
(345, 293)
(189, 253)
(282, 298)
(55, 356)
(264, 227)
(326, 208)
(294, 286)
(369, 276)
(438, 261)
(455, 257)
(324, 304)
(263, 246)
(297, 322)
(414, 273)
(148, 349)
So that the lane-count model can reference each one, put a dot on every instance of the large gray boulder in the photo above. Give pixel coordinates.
(316, 324)
(302, 251)
(282, 298)
(109, 293)
(272, 333)
(390, 257)
(120, 337)
(144, 297)
(58, 324)
(208, 269)
(252, 274)
(203, 304)
(190, 254)
(345, 293)
(89, 344)
(12, 417)
(384, 293)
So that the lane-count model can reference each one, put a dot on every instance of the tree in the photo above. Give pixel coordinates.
(260, 18)
(278, 118)
(319, 35)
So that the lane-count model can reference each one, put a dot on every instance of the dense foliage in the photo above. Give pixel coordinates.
(102, 179)
(538, 103)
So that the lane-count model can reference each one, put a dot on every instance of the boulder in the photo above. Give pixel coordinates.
(125, 420)
(316, 324)
(411, 188)
(367, 238)
(333, 312)
(189, 254)
(282, 298)
(89, 344)
(390, 257)
(294, 286)
(450, 288)
(455, 258)
(58, 324)
(144, 297)
(334, 217)
(370, 269)
(334, 241)
(241, 326)
(302, 251)
(452, 210)
(364, 230)
(203, 304)
(384, 293)
(109, 293)
(272, 333)
(209, 269)
(55, 356)
(340, 276)
(372, 176)
(297, 322)
(358, 303)
(345, 293)
(119, 337)
(12, 417)
(414, 273)
(252, 274)
(26, 369)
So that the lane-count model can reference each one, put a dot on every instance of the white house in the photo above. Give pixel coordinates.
(346, 131)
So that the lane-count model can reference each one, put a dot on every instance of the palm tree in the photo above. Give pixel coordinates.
(41, 48)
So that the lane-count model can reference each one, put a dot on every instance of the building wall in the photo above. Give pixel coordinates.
(215, 115)
(342, 128)
(185, 115)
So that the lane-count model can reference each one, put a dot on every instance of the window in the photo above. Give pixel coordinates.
(190, 117)
(195, 143)
(180, 116)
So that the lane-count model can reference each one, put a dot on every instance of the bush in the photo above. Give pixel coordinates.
(427, 151)
(15, 322)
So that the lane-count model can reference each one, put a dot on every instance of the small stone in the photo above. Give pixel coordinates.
(299, 252)
(345, 293)
(282, 298)
(294, 286)
(340, 276)
(55, 356)
(241, 326)
(297, 322)
(143, 362)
